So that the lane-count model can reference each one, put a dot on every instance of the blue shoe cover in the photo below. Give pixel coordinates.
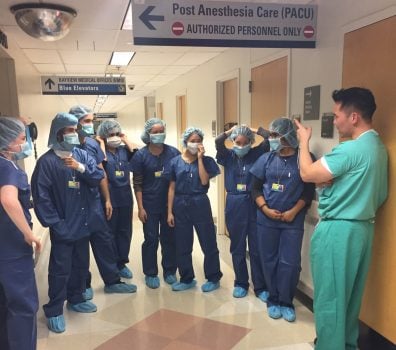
(210, 286)
(84, 307)
(179, 286)
(263, 296)
(170, 279)
(88, 294)
(239, 292)
(56, 324)
(120, 288)
(152, 282)
(274, 311)
(125, 272)
(288, 313)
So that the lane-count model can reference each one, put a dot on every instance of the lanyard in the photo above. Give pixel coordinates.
(279, 159)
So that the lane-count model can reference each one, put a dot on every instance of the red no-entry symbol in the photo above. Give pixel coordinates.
(309, 32)
(178, 28)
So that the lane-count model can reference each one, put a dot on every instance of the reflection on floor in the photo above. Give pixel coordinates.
(162, 319)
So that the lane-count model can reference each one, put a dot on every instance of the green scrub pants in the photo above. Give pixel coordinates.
(340, 259)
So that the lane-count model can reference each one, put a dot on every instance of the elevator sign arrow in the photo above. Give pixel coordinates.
(223, 23)
(147, 18)
(49, 82)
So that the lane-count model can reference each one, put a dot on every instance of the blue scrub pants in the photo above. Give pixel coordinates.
(240, 216)
(18, 304)
(121, 228)
(280, 256)
(156, 230)
(194, 211)
(102, 244)
(67, 272)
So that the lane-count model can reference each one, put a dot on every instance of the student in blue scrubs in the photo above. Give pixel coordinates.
(18, 291)
(189, 208)
(64, 184)
(117, 169)
(240, 210)
(282, 199)
(151, 189)
(102, 241)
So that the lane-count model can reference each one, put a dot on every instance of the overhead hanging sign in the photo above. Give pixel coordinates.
(218, 23)
(55, 85)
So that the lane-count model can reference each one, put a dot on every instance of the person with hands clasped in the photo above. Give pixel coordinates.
(282, 199)
(116, 165)
(240, 210)
(18, 291)
(151, 190)
(189, 208)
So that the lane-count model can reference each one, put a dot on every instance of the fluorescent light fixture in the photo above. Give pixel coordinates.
(127, 23)
(121, 58)
(111, 75)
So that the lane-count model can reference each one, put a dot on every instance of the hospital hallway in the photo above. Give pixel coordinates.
(161, 319)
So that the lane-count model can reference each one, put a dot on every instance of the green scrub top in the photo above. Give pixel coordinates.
(360, 179)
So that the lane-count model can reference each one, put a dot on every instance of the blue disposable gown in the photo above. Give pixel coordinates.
(71, 213)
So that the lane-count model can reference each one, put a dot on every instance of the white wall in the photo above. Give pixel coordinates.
(320, 66)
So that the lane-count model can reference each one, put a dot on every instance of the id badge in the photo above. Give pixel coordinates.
(158, 173)
(277, 187)
(241, 187)
(73, 184)
(119, 173)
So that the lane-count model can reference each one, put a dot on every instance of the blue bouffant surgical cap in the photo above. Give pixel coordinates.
(61, 120)
(10, 129)
(108, 127)
(80, 111)
(147, 128)
(285, 128)
(242, 130)
(189, 131)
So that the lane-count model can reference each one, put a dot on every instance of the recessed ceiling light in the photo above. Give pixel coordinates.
(121, 58)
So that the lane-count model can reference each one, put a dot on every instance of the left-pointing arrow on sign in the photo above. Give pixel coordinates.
(49, 82)
(147, 18)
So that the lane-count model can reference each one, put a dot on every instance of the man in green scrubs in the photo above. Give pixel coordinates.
(353, 183)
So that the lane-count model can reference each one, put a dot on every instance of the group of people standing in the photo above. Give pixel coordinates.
(81, 190)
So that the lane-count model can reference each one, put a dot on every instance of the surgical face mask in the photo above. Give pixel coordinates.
(88, 129)
(275, 144)
(192, 147)
(157, 138)
(25, 151)
(70, 141)
(114, 141)
(242, 151)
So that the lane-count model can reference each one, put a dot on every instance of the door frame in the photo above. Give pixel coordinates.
(234, 74)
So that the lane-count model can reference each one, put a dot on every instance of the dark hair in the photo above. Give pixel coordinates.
(357, 98)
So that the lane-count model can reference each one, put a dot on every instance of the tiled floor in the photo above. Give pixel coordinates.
(162, 319)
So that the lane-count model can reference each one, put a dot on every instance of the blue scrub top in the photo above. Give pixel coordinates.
(12, 243)
(237, 175)
(66, 200)
(118, 173)
(186, 175)
(274, 169)
(153, 169)
(93, 148)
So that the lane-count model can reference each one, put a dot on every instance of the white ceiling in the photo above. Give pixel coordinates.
(87, 50)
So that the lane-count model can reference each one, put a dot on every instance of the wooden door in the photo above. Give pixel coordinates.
(369, 61)
(181, 115)
(269, 92)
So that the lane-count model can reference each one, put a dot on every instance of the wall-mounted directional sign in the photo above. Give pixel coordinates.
(225, 24)
(53, 85)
